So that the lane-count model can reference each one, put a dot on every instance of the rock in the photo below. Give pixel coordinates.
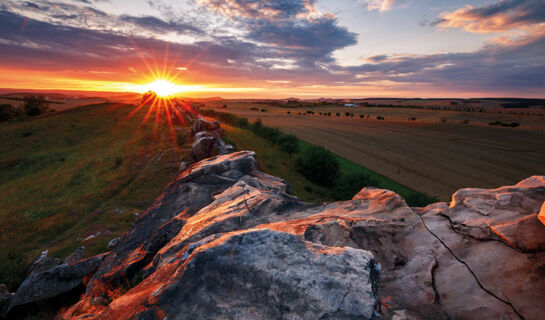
(203, 147)
(183, 165)
(74, 257)
(93, 236)
(43, 262)
(57, 281)
(204, 124)
(112, 243)
(271, 275)
(227, 241)
(541, 214)
(5, 297)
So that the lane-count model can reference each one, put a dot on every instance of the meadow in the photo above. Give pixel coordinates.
(78, 178)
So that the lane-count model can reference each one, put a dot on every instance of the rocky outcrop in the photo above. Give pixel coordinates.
(208, 140)
(63, 279)
(227, 241)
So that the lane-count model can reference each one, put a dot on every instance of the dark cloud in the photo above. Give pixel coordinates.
(259, 9)
(313, 41)
(155, 24)
(292, 28)
(519, 66)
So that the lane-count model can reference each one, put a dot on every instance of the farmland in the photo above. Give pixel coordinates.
(427, 154)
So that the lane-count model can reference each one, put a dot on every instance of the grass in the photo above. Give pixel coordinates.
(74, 173)
(275, 162)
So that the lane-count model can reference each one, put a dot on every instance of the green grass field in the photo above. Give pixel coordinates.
(275, 162)
(72, 174)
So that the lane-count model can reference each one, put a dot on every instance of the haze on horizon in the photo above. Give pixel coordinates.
(275, 49)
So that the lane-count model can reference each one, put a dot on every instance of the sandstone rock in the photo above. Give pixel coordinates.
(203, 124)
(5, 297)
(42, 262)
(59, 280)
(203, 147)
(74, 257)
(227, 241)
(270, 275)
(112, 243)
(541, 214)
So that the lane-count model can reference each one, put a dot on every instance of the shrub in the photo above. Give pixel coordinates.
(180, 138)
(289, 143)
(417, 199)
(288, 112)
(7, 112)
(264, 110)
(35, 105)
(347, 114)
(361, 116)
(318, 165)
(380, 118)
(349, 185)
(338, 114)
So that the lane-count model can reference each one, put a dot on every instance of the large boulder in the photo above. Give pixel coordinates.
(227, 241)
(205, 124)
(52, 283)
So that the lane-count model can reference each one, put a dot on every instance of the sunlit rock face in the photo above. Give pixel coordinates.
(225, 241)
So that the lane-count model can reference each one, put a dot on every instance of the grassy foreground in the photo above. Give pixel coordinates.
(275, 162)
(73, 174)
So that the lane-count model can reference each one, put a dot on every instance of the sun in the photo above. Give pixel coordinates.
(163, 88)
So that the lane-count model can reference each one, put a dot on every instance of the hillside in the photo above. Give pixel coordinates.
(225, 240)
(77, 178)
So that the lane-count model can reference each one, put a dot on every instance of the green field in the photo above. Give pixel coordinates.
(275, 162)
(69, 175)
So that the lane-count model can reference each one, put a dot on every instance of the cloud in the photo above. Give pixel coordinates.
(381, 5)
(501, 16)
(258, 9)
(155, 24)
(293, 29)
(517, 67)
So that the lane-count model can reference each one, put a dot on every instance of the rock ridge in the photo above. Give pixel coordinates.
(226, 241)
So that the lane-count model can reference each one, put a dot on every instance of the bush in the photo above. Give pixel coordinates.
(318, 165)
(7, 112)
(417, 199)
(35, 105)
(338, 114)
(349, 185)
(289, 143)
(380, 118)
(180, 138)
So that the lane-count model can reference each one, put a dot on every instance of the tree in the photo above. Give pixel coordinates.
(289, 143)
(149, 97)
(35, 105)
(349, 185)
(7, 112)
(318, 165)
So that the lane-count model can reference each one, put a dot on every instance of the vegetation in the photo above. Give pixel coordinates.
(275, 158)
(7, 112)
(85, 170)
(318, 165)
(35, 106)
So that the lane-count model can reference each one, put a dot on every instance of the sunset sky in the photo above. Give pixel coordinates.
(278, 49)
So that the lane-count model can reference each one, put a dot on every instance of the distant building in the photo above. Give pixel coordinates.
(351, 105)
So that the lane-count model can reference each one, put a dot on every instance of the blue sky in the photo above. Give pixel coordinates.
(356, 48)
